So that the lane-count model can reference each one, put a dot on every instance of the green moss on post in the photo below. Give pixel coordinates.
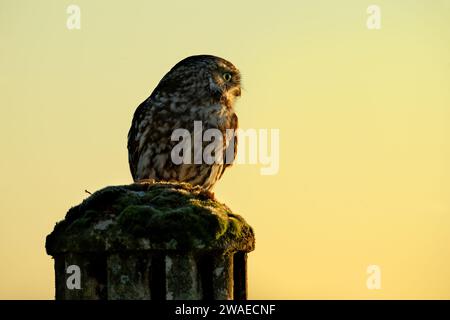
(142, 222)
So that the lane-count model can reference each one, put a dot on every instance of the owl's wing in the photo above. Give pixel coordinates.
(133, 142)
(234, 126)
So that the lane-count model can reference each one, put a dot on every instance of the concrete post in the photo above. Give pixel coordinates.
(151, 241)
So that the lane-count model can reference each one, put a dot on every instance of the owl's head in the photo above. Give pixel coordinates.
(205, 77)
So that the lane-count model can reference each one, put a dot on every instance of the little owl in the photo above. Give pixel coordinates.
(199, 88)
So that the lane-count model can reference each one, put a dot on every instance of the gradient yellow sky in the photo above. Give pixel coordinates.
(364, 132)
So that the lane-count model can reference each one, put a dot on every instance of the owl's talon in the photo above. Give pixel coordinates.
(209, 194)
(146, 181)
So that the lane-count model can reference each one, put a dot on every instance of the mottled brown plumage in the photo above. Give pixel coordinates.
(198, 88)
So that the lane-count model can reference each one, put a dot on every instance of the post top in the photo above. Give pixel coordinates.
(150, 216)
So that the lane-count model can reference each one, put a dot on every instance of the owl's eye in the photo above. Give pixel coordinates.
(227, 76)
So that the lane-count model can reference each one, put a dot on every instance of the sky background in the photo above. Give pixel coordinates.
(364, 133)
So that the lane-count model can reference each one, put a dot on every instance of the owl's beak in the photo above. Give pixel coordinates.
(237, 92)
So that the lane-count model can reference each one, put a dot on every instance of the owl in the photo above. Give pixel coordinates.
(199, 89)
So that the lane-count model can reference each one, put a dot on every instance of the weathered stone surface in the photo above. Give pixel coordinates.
(182, 278)
(222, 277)
(240, 276)
(150, 216)
(128, 276)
